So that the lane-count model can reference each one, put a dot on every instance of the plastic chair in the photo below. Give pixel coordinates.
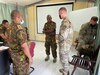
(32, 46)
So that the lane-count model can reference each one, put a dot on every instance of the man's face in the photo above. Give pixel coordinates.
(62, 14)
(5, 25)
(18, 18)
(49, 19)
(92, 22)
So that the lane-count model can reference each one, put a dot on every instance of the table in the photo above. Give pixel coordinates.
(4, 62)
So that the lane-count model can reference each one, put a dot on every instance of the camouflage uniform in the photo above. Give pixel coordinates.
(17, 37)
(50, 39)
(87, 36)
(65, 41)
(2, 31)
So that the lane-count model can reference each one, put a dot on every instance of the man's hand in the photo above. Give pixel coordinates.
(26, 52)
(30, 61)
(3, 36)
(57, 37)
(85, 46)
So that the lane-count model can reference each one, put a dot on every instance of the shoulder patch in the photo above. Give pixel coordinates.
(19, 27)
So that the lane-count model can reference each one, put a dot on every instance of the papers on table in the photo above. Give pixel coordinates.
(1, 42)
(3, 48)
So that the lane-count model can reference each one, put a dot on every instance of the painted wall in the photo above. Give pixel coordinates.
(32, 18)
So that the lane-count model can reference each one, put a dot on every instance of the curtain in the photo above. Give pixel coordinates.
(97, 67)
(5, 11)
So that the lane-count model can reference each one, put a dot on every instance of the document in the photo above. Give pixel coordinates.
(3, 48)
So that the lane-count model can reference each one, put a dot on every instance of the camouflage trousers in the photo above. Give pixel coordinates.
(20, 64)
(53, 46)
(64, 50)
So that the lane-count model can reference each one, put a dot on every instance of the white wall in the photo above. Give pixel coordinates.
(82, 16)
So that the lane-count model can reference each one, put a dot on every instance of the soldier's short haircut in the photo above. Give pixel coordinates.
(94, 18)
(49, 16)
(63, 8)
(14, 13)
(4, 21)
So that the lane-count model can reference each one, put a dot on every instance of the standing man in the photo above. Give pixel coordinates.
(65, 38)
(19, 50)
(50, 40)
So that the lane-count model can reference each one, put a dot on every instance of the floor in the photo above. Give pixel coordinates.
(50, 68)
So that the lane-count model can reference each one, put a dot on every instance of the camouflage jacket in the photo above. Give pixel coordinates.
(87, 34)
(66, 33)
(17, 36)
(50, 26)
(2, 31)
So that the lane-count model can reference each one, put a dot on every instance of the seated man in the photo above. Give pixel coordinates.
(4, 55)
(3, 30)
(87, 36)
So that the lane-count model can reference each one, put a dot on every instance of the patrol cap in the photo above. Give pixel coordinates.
(94, 18)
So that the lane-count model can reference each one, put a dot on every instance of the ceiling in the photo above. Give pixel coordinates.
(20, 2)
(29, 2)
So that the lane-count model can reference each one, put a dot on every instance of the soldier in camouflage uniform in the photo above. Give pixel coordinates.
(19, 50)
(65, 38)
(50, 31)
(3, 30)
(87, 36)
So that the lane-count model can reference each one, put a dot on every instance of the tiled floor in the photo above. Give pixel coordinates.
(50, 68)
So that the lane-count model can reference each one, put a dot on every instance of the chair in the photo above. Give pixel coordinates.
(32, 46)
(85, 62)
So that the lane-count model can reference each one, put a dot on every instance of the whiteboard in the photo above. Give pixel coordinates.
(44, 10)
(82, 16)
